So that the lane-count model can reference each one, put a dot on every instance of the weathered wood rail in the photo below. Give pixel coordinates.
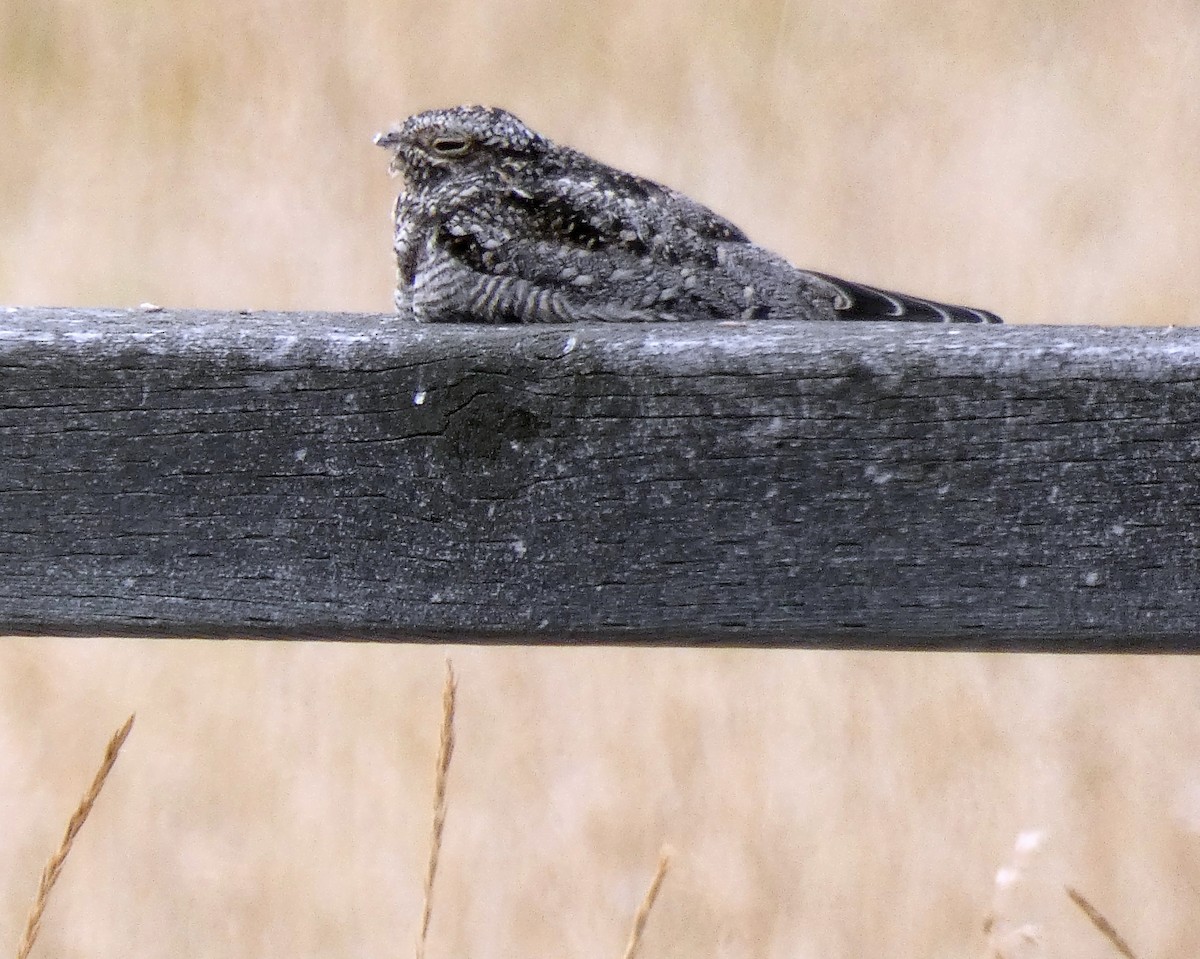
(360, 477)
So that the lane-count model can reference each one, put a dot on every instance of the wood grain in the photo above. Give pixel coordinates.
(361, 477)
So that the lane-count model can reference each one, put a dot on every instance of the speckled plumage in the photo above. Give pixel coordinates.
(497, 224)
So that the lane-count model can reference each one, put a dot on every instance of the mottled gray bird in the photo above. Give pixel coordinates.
(497, 224)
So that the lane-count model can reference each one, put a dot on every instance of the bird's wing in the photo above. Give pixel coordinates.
(596, 206)
(479, 264)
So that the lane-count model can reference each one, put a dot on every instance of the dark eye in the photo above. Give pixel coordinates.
(451, 146)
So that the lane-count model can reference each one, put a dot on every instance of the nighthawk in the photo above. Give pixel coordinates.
(498, 224)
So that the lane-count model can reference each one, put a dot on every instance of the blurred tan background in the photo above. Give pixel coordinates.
(1034, 158)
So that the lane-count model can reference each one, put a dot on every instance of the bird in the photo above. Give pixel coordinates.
(498, 224)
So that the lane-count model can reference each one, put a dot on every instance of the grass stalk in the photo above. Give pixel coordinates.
(54, 865)
(1107, 929)
(445, 752)
(643, 913)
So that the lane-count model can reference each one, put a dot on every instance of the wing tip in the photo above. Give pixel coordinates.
(857, 301)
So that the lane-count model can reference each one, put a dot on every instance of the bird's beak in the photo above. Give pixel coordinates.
(390, 140)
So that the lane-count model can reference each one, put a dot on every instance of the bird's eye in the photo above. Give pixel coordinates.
(451, 146)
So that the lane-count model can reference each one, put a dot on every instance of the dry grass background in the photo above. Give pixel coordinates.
(275, 800)
(1036, 158)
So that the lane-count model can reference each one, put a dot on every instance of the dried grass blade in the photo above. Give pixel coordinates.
(445, 752)
(55, 864)
(1098, 920)
(643, 913)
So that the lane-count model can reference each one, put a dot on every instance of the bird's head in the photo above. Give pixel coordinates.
(433, 145)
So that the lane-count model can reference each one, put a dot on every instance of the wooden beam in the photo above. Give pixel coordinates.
(361, 477)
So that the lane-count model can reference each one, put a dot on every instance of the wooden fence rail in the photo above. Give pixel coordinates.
(359, 477)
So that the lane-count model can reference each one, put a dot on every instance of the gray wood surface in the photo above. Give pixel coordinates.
(350, 476)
